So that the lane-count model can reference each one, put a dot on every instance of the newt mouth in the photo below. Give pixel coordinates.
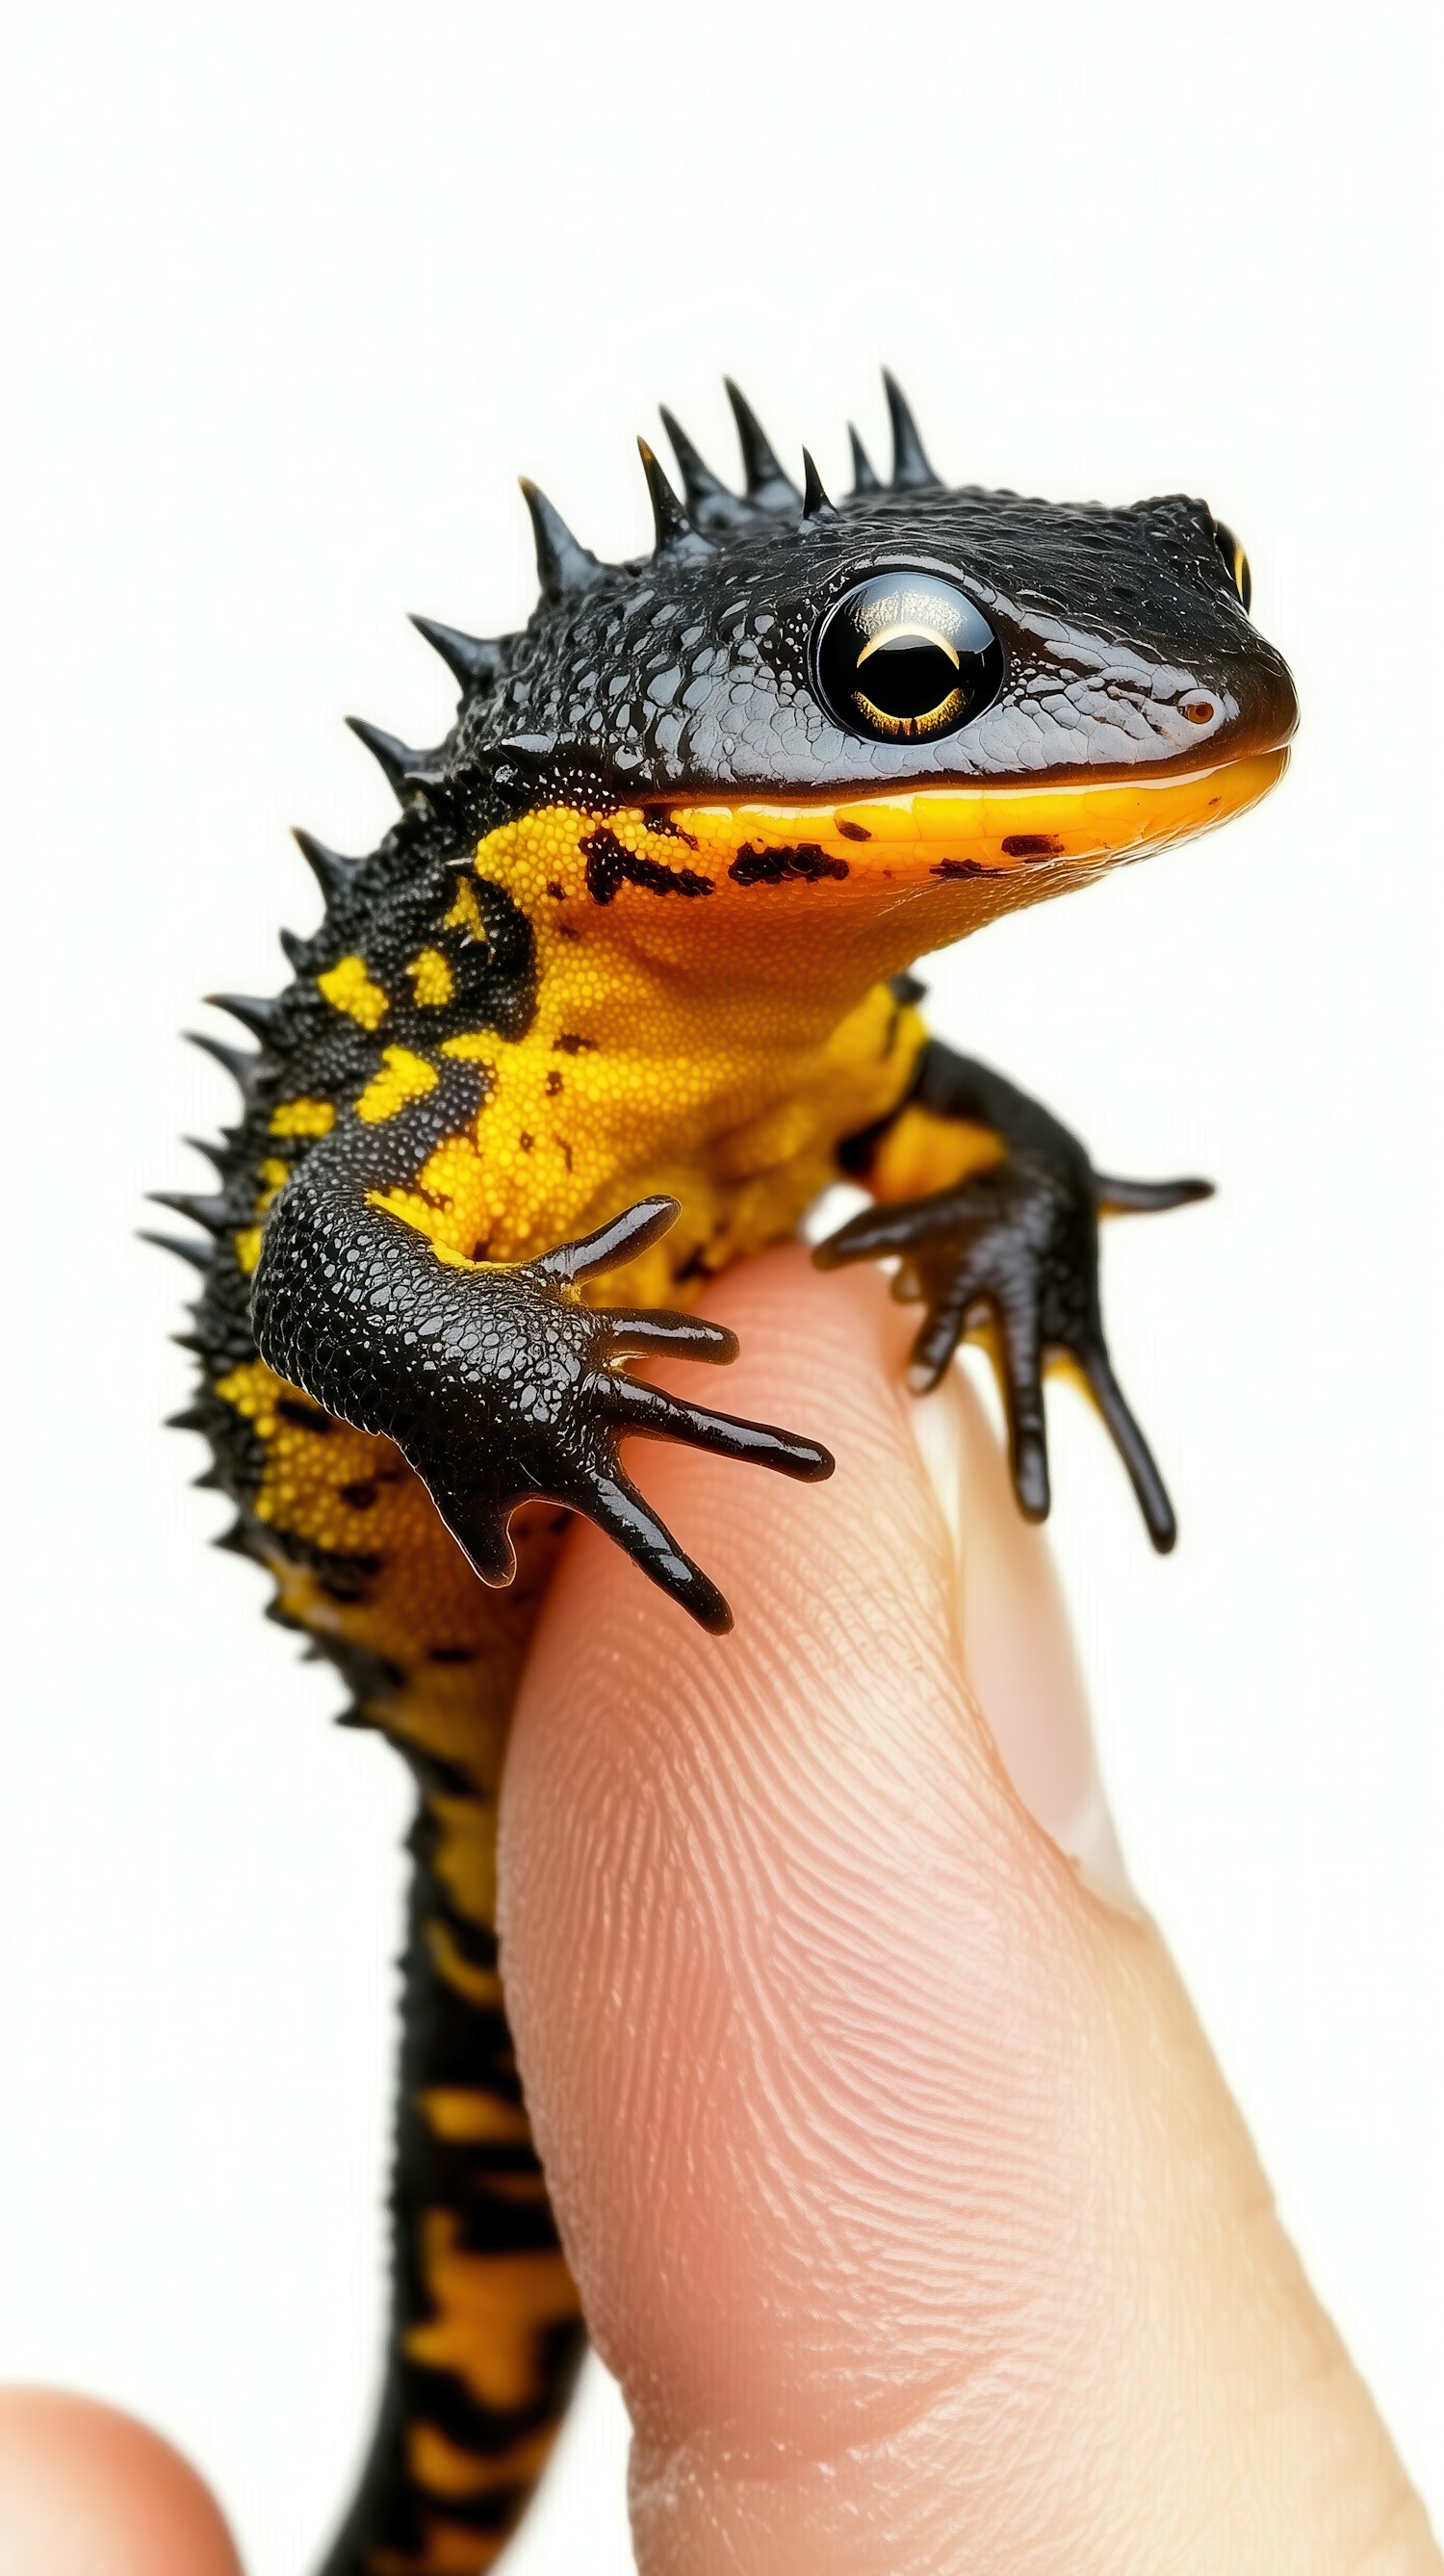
(979, 831)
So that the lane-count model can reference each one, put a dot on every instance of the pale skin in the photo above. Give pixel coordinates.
(904, 2194)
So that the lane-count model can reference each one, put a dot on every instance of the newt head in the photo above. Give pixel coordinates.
(931, 702)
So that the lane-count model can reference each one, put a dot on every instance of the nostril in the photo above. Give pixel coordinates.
(1199, 710)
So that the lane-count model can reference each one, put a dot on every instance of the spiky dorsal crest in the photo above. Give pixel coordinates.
(709, 501)
(210, 1213)
(768, 488)
(864, 474)
(235, 1061)
(911, 471)
(256, 1012)
(472, 660)
(406, 771)
(815, 503)
(334, 875)
(675, 533)
(565, 568)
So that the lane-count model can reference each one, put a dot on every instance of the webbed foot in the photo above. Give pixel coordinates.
(536, 1403)
(1018, 1243)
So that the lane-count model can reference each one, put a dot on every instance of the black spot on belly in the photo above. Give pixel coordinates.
(803, 862)
(307, 1417)
(1032, 845)
(960, 868)
(610, 866)
(657, 819)
(343, 1575)
(361, 1498)
(567, 1044)
(852, 831)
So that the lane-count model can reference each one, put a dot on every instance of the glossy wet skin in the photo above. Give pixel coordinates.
(1126, 652)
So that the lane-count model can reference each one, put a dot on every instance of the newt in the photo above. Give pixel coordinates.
(625, 987)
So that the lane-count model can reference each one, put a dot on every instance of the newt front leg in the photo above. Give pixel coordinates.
(1013, 1238)
(497, 1383)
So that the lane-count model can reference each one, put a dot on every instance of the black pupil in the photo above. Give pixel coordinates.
(907, 676)
(905, 656)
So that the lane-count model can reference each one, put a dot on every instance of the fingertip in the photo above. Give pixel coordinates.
(83, 2486)
(742, 1895)
(901, 2190)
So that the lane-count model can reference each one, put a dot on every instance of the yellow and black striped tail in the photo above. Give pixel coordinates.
(486, 2331)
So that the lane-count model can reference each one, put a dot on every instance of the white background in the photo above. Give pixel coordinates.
(300, 289)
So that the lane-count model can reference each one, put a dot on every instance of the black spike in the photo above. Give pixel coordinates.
(402, 766)
(471, 661)
(710, 503)
(864, 476)
(564, 567)
(815, 503)
(257, 1012)
(190, 1342)
(210, 1480)
(910, 467)
(209, 1212)
(192, 1417)
(768, 488)
(234, 1060)
(675, 534)
(334, 875)
(215, 1155)
(295, 947)
(234, 1541)
(199, 1255)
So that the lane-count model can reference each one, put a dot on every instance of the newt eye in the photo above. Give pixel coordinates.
(1236, 560)
(905, 656)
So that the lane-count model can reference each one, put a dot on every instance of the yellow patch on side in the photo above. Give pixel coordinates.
(447, 2549)
(248, 1248)
(347, 986)
(402, 1077)
(480, 1986)
(490, 2311)
(439, 2464)
(272, 1175)
(432, 980)
(664, 1055)
(303, 1117)
(474, 2119)
(464, 1856)
(465, 913)
(921, 1153)
(458, 1645)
